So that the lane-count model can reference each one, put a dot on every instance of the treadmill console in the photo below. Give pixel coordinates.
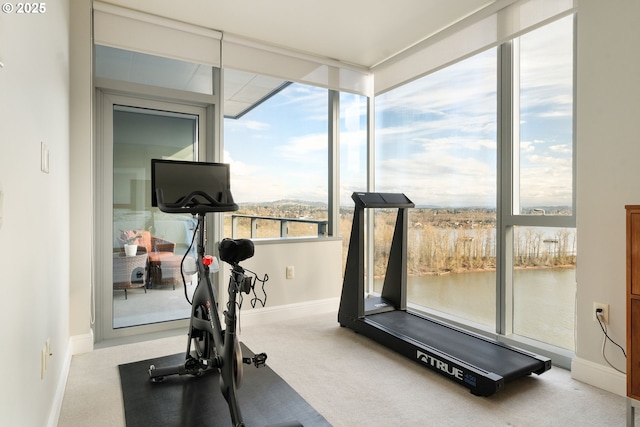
(381, 200)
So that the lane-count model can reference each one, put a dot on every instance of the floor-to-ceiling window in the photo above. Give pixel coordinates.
(541, 217)
(436, 142)
(492, 238)
(297, 153)
(278, 155)
(278, 148)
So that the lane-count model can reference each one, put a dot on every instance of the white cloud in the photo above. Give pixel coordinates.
(527, 147)
(444, 173)
(561, 148)
(246, 124)
(304, 148)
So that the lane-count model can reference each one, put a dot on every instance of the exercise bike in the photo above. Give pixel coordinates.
(209, 347)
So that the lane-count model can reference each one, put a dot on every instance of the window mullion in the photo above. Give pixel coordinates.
(560, 221)
(334, 163)
(369, 258)
(506, 172)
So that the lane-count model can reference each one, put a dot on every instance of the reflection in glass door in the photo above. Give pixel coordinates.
(148, 245)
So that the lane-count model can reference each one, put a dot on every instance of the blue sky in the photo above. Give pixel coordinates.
(435, 138)
(278, 150)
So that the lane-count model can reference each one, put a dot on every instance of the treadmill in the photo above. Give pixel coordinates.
(479, 363)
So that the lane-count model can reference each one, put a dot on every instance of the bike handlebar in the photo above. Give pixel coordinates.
(193, 205)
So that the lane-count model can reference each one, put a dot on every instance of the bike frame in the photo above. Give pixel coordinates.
(215, 348)
(222, 350)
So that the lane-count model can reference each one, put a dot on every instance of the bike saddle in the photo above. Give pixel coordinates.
(232, 251)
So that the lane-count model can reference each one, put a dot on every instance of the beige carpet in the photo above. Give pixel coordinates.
(353, 381)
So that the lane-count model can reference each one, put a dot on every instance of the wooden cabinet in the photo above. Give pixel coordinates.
(633, 301)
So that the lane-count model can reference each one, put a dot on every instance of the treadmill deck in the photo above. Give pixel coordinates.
(486, 354)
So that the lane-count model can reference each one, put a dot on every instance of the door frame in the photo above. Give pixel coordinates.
(103, 201)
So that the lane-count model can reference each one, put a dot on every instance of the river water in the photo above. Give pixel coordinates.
(543, 300)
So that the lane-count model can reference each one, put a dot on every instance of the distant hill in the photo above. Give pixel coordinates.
(284, 202)
(296, 203)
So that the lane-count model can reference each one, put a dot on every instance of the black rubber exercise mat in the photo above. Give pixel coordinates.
(265, 398)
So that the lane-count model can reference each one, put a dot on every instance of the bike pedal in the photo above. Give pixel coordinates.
(260, 360)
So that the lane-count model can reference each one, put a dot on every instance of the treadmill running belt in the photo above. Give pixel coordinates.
(488, 355)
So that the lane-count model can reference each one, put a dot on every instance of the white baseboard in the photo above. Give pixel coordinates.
(599, 376)
(81, 343)
(77, 344)
(289, 311)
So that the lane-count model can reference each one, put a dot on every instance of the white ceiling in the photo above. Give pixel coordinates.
(361, 32)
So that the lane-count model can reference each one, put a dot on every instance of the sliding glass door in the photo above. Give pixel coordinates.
(142, 248)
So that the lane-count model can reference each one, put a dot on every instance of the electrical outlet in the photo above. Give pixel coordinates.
(290, 272)
(604, 315)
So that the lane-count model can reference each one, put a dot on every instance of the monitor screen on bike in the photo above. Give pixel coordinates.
(177, 179)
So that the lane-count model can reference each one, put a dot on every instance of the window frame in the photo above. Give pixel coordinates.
(333, 168)
(508, 163)
(507, 173)
(508, 168)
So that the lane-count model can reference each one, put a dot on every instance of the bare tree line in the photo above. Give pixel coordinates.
(463, 241)
(439, 240)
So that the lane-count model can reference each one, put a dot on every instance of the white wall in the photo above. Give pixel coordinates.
(608, 149)
(34, 235)
(316, 284)
(81, 137)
